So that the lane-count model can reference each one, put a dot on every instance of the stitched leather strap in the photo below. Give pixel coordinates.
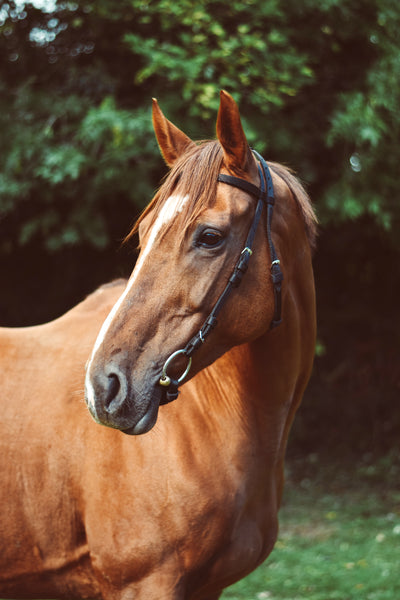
(264, 194)
(246, 186)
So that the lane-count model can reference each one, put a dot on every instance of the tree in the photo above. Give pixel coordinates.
(315, 83)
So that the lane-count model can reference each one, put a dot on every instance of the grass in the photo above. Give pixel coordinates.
(339, 536)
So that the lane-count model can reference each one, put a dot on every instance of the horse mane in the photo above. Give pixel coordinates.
(302, 199)
(197, 171)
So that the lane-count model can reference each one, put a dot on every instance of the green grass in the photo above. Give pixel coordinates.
(339, 537)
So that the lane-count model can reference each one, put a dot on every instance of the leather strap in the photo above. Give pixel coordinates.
(264, 195)
(246, 186)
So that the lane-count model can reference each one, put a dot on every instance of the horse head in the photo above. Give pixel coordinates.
(191, 237)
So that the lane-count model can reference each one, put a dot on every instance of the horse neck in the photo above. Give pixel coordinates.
(253, 391)
(4, 340)
(11, 339)
(240, 392)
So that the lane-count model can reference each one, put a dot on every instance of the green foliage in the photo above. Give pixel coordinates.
(316, 83)
(192, 49)
(365, 123)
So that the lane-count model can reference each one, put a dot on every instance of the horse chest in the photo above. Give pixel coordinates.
(192, 518)
(231, 544)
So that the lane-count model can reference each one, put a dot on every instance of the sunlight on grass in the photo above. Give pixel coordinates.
(342, 546)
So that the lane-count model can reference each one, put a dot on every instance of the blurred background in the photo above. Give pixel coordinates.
(317, 82)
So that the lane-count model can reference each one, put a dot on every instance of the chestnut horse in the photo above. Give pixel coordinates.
(191, 506)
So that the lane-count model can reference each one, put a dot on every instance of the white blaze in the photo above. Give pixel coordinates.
(173, 206)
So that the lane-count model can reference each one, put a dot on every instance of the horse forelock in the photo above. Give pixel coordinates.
(196, 175)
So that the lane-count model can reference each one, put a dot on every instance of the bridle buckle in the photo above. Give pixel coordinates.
(264, 195)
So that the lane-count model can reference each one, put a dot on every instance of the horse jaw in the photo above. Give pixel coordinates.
(144, 424)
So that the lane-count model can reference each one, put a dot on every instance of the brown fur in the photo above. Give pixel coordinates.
(189, 503)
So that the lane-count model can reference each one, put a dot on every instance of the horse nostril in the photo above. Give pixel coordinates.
(114, 396)
(113, 387)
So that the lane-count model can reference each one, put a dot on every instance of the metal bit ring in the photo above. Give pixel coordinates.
(164, 379)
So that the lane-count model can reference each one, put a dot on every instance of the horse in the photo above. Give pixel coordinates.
(143, 433)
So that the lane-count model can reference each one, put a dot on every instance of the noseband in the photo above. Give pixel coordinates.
(264, 195)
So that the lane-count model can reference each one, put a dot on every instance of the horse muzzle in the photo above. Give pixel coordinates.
(115, 401)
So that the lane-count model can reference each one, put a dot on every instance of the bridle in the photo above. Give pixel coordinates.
(264, 195)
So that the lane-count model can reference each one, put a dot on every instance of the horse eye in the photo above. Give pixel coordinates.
(209, 238)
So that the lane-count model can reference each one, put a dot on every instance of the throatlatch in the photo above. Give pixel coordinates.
(264, 195)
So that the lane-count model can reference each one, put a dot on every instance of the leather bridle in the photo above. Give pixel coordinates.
(264, 195)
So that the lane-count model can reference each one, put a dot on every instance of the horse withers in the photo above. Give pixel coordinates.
(196, 366)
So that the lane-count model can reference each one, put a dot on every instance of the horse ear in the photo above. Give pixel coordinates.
(171, 140)
(238, 157)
